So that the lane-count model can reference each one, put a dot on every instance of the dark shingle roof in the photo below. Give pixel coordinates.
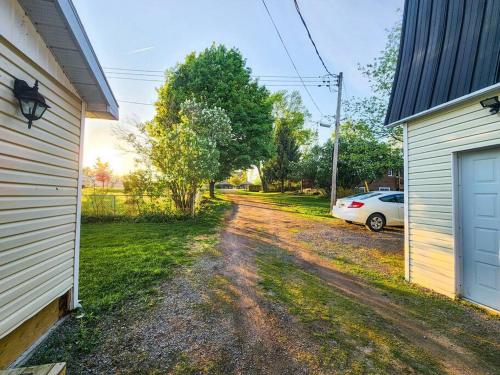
(449, 48)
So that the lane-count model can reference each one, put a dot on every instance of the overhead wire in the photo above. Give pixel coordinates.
(290, 57)
(310, 37)
(127, 70)
(275, 84)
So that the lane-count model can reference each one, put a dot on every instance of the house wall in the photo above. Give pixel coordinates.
(39, 169)
(432, 142)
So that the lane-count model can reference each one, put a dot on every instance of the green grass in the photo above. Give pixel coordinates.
(308, 205)
(462, 322)
(121, 264)
(353, 338)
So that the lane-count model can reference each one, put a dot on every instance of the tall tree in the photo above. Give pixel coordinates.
(219, 77)
(372, 109)
(289, 135)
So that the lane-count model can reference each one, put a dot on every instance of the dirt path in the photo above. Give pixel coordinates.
(256, 223)
(216, 318)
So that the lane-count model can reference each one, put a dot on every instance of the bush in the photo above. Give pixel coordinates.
(254, 188)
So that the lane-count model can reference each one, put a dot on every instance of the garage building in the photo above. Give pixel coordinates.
(445, 95)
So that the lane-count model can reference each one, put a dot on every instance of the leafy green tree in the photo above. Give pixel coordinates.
(219, 77)
(287, 153)
(371, 110)
(238, 178)
(362, 157)
(289, 135)
(186, 153)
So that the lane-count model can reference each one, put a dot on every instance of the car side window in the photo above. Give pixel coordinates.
(389, 198)
(400, 198)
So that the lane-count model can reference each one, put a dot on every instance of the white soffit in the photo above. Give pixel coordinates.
(60, 27)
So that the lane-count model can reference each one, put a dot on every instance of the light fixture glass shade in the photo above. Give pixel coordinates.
(39, 110)
(27, 107)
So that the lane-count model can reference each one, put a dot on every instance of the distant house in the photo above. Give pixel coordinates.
(391, 181)
(446, 95)
(40, 167)
(224, 185)
(244, 185)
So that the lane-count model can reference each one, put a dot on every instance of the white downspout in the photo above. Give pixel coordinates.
(406, 205)
(76, 265)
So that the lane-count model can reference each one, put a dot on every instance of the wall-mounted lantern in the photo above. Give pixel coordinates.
(32, 103)
(492, 103)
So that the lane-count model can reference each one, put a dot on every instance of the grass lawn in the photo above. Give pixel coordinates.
(309, 205)
(120, 266)
(353, 338)
(346, 327)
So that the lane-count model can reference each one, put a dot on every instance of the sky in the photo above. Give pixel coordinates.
(157, 34)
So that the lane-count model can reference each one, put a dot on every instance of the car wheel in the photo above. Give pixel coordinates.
(375, 222)
(348, 221)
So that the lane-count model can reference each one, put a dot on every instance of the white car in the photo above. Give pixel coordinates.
(375, 209)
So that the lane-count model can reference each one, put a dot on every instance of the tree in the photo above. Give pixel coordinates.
(186, 153)
(238, 178)
(362, 157)
(289, 135)
(287, 153)
(218, 76)
(371, 110)
(102, 172)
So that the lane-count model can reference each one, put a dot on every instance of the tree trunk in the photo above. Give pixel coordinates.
(282, 188)
(193, 203)
(366, 186)
(212, 189)
(265, 186)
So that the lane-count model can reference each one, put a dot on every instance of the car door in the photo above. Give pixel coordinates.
(389, 208)
(400, 198)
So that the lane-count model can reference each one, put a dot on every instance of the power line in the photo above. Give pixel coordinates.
(290, 56)
(276, 84)
(132, 102)
(310, 37)
(318, 79)
(126, 71)
(136, 70)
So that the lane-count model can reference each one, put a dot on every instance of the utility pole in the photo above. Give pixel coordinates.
(333, 197)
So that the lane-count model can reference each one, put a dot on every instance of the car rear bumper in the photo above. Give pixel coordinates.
(350, 214)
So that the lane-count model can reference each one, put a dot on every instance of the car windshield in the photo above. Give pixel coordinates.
(363, 196)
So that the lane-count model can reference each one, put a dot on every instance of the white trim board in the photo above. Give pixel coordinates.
(76, 265)
(406, 204)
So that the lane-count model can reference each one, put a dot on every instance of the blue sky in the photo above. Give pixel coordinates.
(156, 34)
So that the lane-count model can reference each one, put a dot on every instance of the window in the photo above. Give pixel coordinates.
(363, 196)
(393, 198)
(384, 188)
(389, 173)
(389, 198)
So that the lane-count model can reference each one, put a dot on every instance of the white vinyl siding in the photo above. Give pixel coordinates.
(432, 140)
(38, 178)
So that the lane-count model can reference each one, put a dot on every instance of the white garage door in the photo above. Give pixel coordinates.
(480, 203)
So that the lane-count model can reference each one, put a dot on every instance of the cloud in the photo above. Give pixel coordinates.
(140, 50)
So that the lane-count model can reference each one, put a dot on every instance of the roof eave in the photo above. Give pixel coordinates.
(451, 103)
(80, 36)
(58, 24)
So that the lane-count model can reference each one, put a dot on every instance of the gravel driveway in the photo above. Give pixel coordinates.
(215, 318)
